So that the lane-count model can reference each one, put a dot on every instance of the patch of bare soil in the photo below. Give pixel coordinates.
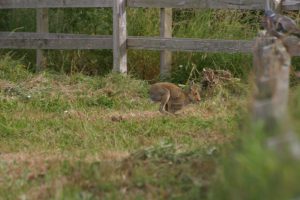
(119, 116)
(110, 116)
(140, 115)
(189, 110)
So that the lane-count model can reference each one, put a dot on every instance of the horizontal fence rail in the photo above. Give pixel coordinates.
(79, 41)
(76, 41)
(54, 41)
(12, 4)
(216, 4)
(190, 44)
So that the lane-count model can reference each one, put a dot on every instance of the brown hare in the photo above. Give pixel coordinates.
(171, 97)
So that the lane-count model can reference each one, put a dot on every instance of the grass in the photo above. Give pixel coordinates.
(81, 137)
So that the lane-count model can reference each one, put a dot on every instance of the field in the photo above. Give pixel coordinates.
(78, 131)
(81, 137)
(78, 136)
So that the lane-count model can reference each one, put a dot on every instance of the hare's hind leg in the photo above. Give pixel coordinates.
(169, 108)
(164, 103)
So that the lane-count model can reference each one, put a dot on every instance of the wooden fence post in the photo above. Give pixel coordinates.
(119, 36)
(272, 62)
(42, 26)
(271, 67)
(165, 32)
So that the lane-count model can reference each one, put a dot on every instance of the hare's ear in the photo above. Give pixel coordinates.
(191, 86)
(191, 83)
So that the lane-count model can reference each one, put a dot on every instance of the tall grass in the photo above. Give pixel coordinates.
(210, 24)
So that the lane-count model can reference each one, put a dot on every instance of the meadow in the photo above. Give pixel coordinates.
(78, 131)
(59, 129)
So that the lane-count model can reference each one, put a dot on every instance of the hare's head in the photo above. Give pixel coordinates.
(193, 93)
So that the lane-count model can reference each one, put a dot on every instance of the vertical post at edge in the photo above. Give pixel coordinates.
(271, 66)
(119, 36)
(272, 63)
(165, 32)
(42, 26)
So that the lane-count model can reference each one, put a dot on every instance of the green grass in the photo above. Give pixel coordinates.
(59, 139)
(82, 137)
(255, 170)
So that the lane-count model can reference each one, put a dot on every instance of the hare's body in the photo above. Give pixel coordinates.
(171, 97)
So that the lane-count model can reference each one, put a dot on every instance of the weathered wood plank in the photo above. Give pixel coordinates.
(271, 64)
(63, 44)
(42, 26)
(237, 4)
(119, 36)
(6, 4)
(28, 35)
(53, 41)
(216, 4)
(165, 32)
(291, 4)
(203, 45)
(187, 44)
(79, 41)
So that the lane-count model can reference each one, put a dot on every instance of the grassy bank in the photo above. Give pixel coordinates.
(81, 137)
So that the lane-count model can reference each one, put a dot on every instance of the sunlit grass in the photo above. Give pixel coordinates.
(65, 137)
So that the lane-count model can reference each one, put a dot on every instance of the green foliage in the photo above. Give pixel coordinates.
(295, 106)
(12, 70)
(17, 20)
(252, 170)
(208, 24)
(81, 20)
(256, 172)
(238, 64)
(215, 24)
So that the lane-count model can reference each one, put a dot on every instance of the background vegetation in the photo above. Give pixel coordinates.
(65, 134)
(212, 24)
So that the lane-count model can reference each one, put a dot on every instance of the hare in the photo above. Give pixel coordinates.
(171, 97)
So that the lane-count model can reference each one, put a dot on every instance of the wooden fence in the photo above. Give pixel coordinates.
(119, 41)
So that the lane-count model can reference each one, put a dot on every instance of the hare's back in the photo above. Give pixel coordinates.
(157, 90)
